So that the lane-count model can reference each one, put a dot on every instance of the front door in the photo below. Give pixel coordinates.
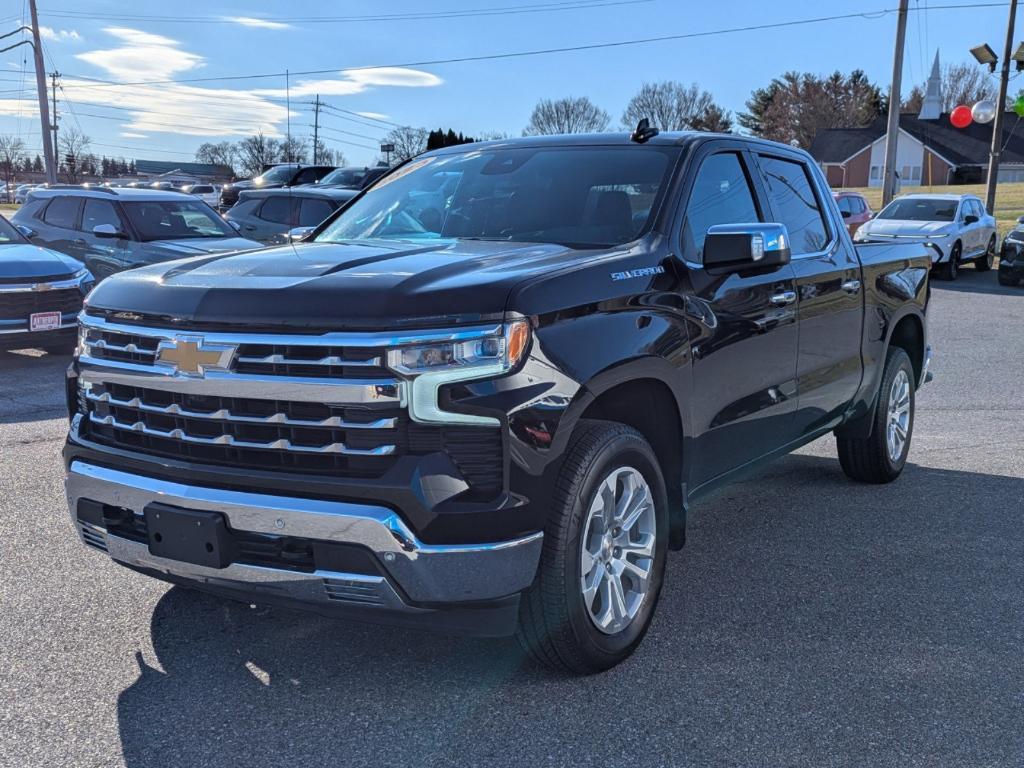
(103, 256)
(744, 343)
(828, 284)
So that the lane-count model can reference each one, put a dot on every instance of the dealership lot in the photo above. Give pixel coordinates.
(809, 621)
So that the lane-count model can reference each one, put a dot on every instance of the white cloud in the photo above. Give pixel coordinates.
(58, 35)
(27, 107)
(373, 115)
(249, 21)
(143, 56)
(133, 135)
(356, 81)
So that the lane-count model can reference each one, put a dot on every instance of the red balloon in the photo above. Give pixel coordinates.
(961, 117)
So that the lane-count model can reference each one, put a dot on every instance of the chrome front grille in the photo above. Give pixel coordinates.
(316, 404)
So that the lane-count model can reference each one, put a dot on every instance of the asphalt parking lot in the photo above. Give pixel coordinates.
(809, 621)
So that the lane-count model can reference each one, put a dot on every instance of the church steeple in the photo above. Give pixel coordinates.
(931, 105)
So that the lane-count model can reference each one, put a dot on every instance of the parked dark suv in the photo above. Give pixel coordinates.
(268, 215)
(112, 229)
(284, 175)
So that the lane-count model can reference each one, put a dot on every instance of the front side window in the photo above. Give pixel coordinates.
(795, 204)
(175, 220)
(98, 212)
(313, 211)
(62, 212)
(277, 209)
(721, 195)
(919, 209)
(581, 197)
(278, 175)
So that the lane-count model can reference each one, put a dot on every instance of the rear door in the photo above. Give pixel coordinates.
(828, 284)
(744, 344)
(276, 216)
(59, 229)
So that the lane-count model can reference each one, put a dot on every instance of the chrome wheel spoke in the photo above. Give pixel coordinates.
(617, 550)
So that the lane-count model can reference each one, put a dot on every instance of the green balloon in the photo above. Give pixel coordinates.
(1018, 105)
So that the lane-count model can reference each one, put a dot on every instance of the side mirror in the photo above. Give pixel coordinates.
(235, 224)
(299, 233)
(846, 214)
(107, 231)
(970, 218)
(741, 247)
(30, 233)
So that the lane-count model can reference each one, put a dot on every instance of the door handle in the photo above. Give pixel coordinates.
(784, 298)
(851, 286)
(79, 242)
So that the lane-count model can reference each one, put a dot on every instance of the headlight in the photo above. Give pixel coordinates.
(464, 357)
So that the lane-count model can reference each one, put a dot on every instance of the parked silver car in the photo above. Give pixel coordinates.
(957, 225)
(115, 228)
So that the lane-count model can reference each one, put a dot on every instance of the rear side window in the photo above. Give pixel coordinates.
(245, 208)
(62, 212)
(721, 195)
(277, 210)
(795, 203)
(98, 212)
(313, 211)
(846, 205)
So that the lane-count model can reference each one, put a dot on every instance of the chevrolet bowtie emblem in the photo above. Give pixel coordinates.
(194, 357)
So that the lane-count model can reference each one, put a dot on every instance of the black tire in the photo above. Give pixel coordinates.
(984, 262)
(949, 269)
(555, 626)
(867, 459)
(1005, 279)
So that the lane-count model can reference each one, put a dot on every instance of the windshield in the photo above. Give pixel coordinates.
(345, 177)
(920, 209)
(175, 220)
(8, 234)
(578, 197)
(277, 175)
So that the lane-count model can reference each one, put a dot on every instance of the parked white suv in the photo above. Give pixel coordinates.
(208, 193)
(957, 225)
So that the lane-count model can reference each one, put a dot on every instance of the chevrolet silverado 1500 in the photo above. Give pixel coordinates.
(482, 396)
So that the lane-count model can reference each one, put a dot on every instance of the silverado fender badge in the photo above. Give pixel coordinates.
(641, 272)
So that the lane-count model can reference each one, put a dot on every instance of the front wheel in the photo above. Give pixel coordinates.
(880, 457)
(984, 262)
(604, 553)
(949, 269)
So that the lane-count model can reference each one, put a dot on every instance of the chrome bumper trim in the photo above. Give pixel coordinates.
(26, 331)
(427, 573)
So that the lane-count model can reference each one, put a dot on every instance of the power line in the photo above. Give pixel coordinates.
(565, 5)
(878, 14)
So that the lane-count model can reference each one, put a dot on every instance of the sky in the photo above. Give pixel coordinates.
(369, 58)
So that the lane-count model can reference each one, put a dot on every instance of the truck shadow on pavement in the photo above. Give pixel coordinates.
(808, 617)
(31, 386)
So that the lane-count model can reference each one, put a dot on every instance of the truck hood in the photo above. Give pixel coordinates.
(892, 227)
(372, 284)
(198, 246)
(30, 262)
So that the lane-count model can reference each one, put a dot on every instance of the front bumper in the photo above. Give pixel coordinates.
(1011, 261)
(465, 588)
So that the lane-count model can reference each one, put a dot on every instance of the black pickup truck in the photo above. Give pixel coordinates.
(482, 396)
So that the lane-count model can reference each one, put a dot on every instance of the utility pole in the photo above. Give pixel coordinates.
(288, 115)
(892, 130)
(997, 124)
(49, 150)
(316, 130)
(56, 147)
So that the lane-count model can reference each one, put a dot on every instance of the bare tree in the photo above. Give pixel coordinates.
(255, 152)
(961, 84)
(408, 142)
(797, 105)
(672, 106)
(569, 115)
(220, 153)
(294, 149)
(73, 149)
(324, 155)
(12, 153)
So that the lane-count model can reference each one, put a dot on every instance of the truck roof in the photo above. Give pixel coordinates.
(665, 138)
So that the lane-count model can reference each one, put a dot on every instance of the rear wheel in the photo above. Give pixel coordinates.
(948, 270)
(984, 262)
(604, 553)
(880, 457)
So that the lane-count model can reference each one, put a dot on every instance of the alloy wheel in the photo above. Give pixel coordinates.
(617, 550)
(898, 421)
